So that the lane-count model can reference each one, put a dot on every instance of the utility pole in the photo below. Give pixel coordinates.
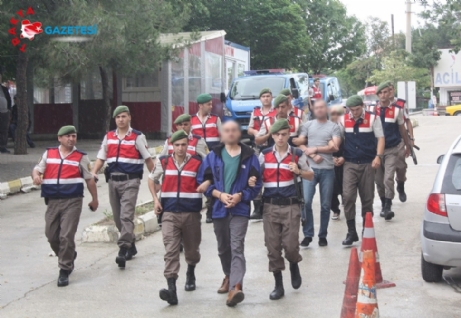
(393, 34)
(408, 36)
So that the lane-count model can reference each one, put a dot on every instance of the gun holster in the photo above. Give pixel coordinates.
(107, 174)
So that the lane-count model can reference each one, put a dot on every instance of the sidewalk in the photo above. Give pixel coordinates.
(19, 166)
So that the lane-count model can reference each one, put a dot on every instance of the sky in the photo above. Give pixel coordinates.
(383, 9)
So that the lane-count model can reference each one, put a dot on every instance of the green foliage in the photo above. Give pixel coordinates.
(274, 30)
(337, 39)
(397, 67)
(447, 15)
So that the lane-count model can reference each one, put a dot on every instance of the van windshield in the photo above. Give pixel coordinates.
(249, 87)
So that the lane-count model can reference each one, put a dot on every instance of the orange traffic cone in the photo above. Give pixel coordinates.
(369, 243)
(352, 286)
(367, 303)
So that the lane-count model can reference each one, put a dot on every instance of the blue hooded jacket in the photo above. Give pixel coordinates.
(212, 169)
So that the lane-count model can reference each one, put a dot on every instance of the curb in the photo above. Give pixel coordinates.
(143, 225)
(26, 184)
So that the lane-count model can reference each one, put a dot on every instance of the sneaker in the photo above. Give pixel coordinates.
(4, 150)
(306, 241)
(335, 216)
(323, 241)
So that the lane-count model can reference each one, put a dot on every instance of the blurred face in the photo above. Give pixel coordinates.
(281, 137)
(180, 147)
(68, 141)
(317, 83)
(320, 109)
(230, 133)
(356, 111)
(123, 120)
(266, 99)
(282, 110)
(334, 116)
(384, 95)
(290, 98)
(185, 125)
(206, 108)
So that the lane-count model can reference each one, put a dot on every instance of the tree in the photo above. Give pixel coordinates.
(447, 15)
(273, 29)
(397, 67)
(337, 39)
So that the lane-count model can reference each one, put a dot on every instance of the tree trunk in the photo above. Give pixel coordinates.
(20, 143)
(106, 99)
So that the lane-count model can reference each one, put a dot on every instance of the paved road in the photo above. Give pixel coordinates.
(98, 289)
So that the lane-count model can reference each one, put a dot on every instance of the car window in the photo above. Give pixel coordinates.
(248, 88)
(303, 82)
(452, 179)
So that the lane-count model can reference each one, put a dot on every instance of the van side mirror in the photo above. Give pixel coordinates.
(223, 97)
(440, 159)
(331, 98)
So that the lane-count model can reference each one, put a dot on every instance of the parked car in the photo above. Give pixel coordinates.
(243, 94)
(441, 227)
(331, 91)
(454, 110)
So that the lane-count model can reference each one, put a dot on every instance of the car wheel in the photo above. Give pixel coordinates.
(457, 114)
(432, 273)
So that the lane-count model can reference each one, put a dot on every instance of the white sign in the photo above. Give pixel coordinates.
(407, 91)
(448, 70)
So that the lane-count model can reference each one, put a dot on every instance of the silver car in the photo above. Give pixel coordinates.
(441, 228)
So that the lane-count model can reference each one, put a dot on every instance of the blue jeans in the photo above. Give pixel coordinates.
(326, 179)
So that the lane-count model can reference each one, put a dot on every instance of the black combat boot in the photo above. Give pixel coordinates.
(169, 295)
(296, 279)
(190, 278)
(121, 258)
(388, 214)
(352, 235)
(257, 215)
(278, 291)
(401, 191)
(63, 279)
(132, 251)
(383, 201)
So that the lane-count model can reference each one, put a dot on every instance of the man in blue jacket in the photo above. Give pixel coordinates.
(229, 167)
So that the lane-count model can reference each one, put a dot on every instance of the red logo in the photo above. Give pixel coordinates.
(28, 29)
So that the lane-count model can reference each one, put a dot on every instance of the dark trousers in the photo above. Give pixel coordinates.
(230, 233)
(4, 119)
(12, 133)
(337, 189)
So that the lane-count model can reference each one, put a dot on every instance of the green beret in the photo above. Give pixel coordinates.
(286, 92)
(265, 91)
(354, 100)
(66, 130)
(279, 125)
(382, 86)
(178, 135)
(120, 109)
(279, 99)
(182, 118)
(203, 98)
